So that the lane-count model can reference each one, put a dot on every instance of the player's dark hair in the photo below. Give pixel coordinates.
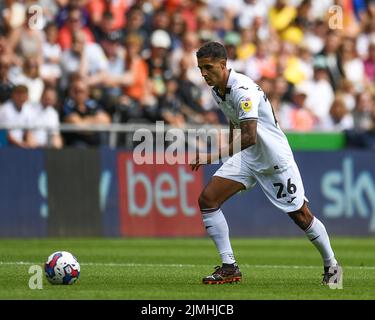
(212, 49)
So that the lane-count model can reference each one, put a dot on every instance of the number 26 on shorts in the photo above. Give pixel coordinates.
(291, 188)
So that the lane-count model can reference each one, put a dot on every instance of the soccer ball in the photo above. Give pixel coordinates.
(62, 268)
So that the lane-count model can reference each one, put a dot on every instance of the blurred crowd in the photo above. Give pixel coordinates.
(127, 61)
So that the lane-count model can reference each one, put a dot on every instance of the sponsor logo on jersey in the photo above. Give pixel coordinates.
(246, 105)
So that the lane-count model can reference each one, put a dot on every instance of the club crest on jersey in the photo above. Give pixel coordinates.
(246, 105)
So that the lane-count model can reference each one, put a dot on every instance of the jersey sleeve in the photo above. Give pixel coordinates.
(247, 103)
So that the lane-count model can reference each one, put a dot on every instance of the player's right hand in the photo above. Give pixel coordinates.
(200, 159)
(194, 165)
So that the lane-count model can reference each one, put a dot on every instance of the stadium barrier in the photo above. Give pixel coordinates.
(317, 140)
(102, 192)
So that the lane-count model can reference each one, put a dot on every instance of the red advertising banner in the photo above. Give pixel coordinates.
(158, 199)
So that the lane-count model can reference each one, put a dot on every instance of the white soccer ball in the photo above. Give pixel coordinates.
(62, 268)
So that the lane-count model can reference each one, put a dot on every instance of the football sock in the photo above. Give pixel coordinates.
(217, 228)
(317, 234)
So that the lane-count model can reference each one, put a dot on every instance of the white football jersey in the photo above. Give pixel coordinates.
(245, 100)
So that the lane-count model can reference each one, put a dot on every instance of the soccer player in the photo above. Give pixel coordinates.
(265, 157)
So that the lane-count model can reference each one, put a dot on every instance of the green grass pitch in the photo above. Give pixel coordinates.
(168, 269)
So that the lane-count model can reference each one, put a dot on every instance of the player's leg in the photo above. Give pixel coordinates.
(286, 191)
(317, 234)
(233, 176)
(217, 191)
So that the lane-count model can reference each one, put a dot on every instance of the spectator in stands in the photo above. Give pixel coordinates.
(189, 11)
(369, 63)
(231, 42)
(261, 29)
(224, 12)
(14, 14)
(296, 116)
(136, 24)
(281, 110)
(50, 9)
(98, 9)
(205, 26)
(304, 17)
(314, 37)
(80, 110)
(365, 38)
(348, 92)
(171, 105)
(362, 113)
(158, 63)
(131, 82)
(339, 118)
(281, 16)
(19, 112)
(47, 116)
(249, 11)
(115, 75)
(262, 64)
(4, 49)
(290, 65)
(191, 97)
(5, 85)
(137, 95)
(246, 48)
(306, 61)
(50, 70)
(186, 53)
(30, 77)
(2, 20)
(26, 40)
(190, 44)
(66, 6)
(72, 27)
(352, 66)
(281, 88)
(329, 57)
(160, 20)
(266, 84)
(319, 104)
(104, 27)
(177, 29)
(87, 59)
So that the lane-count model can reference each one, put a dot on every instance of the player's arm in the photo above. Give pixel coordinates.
(247, 103)
(247, 138)
(238, 143)
(248, 135)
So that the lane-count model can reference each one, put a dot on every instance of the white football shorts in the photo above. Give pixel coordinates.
(284, 188)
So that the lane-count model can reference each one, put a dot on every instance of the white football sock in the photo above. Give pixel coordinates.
(317, 234)
(217, 229)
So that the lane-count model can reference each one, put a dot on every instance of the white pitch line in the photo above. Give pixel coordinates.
(172, 265)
